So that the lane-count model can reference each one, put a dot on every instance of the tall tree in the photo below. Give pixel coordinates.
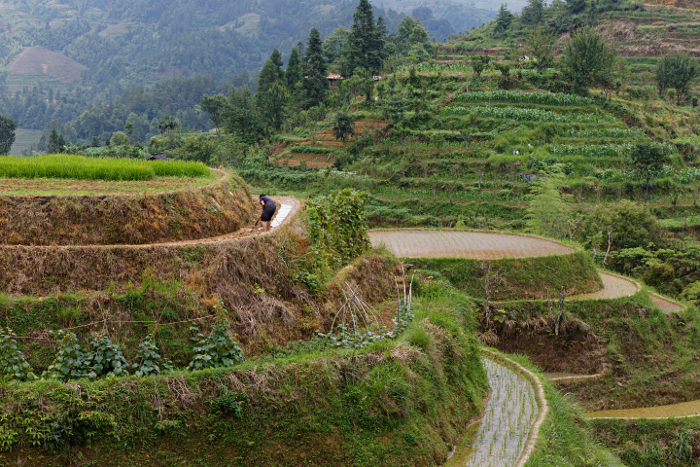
(549, 212)
(241, 117)
(541, 47)
(366, 47)
(273, 103)
(532, 13)
(213, 106)
(271, 72)
(503, 20)
(648, 159)
(293, 72)
(588, 59)
(7, 134)
(343, 126)
(54, 146)
(576, 6)
(315, 83)
(679, 71)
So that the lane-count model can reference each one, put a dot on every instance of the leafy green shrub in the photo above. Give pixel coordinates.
(13, 365)
(218, 349)
(311, 150)
(232, 402)
(337, 225)
(107, 358)
(149, 361)
(72, 361)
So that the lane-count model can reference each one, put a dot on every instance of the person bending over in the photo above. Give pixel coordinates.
(268, 210)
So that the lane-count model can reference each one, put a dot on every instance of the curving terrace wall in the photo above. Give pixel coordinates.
(208, 211)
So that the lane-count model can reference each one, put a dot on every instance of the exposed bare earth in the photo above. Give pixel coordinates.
(40, 61)
(465, 244)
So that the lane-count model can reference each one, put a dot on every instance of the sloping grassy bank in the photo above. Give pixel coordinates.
(260, 317)
(652, 443)
(524, 278)
(566, 437)
(392, 403)
(650, 355)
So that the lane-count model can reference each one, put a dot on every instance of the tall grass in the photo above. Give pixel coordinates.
(89, 168)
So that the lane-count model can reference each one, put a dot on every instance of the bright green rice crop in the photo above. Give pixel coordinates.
(91, 168)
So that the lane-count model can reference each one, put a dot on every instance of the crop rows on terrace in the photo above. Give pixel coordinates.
(524, 114)
(88, 168)
(519, 97)
(465, 244)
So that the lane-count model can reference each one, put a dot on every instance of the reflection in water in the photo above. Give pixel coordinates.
(509, 418)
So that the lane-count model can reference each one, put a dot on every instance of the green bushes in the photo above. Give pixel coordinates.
(337, 226)
(86, 168)
(524, 114)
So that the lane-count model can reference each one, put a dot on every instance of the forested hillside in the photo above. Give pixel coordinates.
(58, 58)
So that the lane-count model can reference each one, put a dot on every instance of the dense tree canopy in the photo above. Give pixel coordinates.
(7, 134)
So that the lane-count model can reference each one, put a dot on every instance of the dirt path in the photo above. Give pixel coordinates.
(614, 286)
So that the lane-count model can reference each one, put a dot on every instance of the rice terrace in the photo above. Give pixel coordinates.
(395, 242)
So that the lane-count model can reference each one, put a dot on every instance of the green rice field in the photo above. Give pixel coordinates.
(58, 166)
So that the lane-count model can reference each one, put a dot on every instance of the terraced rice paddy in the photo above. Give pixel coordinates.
(504, 430)
(685, 409)
(465, 244)
(664, 303)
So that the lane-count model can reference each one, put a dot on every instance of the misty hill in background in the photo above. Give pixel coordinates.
(59, 56)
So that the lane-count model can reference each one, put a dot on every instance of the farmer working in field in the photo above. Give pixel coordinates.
(268, 210)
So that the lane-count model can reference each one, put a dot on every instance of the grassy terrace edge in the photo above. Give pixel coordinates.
(392, 403)
(525, 278)
(216, 209)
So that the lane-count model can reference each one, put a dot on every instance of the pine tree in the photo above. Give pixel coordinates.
(53, 147)
(271, 72)
(293, 73)
(273, 103)
(576, 6)
(315, 83)
(504, 18)
(365, 43)
(532, 13)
